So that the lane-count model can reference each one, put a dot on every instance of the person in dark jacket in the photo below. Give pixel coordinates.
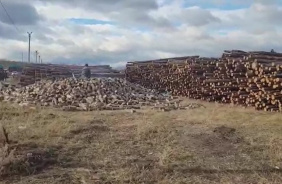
(3, 75)
(86, 72)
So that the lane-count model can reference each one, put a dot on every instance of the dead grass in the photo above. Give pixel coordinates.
(219, 144)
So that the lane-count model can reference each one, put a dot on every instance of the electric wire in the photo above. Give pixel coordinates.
(9, 17)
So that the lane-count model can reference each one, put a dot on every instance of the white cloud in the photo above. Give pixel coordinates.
(141, 30)
(59, 12)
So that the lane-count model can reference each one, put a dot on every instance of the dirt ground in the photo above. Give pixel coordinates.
(216, 144)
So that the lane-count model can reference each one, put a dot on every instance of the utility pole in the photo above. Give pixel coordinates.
(36, 53)
(29, 37)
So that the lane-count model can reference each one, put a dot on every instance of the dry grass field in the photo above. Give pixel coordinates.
(216, 144)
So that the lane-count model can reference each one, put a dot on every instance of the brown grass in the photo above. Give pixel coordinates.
(189, 146)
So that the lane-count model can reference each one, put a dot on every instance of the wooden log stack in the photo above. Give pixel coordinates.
(36, 72)
(264, 80)
(238, 77)
(96, 71)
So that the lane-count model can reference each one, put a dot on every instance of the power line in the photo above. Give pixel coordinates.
(11, 20)
(9, 16)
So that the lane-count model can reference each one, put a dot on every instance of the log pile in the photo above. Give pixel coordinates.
(94, 94)
(36, 72)
(264, 82)
(238, 77)
(96, 71)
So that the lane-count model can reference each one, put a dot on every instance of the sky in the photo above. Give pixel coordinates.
(117, 31)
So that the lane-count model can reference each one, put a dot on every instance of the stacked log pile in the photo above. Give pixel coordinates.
(238, 77)
(264, 84)
(162, 75)
(96, 71)
(94, 94)
(36, 72)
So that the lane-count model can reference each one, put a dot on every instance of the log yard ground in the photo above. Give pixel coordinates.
(106, 131)
(216, 144)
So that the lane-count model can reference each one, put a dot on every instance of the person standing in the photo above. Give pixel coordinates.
(5, 75)
(86, 72)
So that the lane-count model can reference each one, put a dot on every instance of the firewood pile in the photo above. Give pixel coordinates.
(238, 77)
(95, 94)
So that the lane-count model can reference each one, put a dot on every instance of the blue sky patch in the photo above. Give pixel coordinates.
(227, 5)
(84, 21)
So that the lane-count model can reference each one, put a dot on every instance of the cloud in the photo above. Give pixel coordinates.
(9, 32)
(109, 5)
(125, 12)
(21, 13)
(114, 32)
